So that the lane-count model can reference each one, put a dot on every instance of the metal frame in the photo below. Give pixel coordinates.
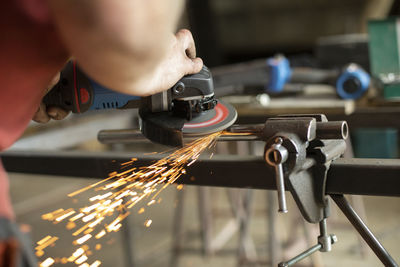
(345, 176)
(376, 177)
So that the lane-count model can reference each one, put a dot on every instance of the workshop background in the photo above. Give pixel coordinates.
(203, 226)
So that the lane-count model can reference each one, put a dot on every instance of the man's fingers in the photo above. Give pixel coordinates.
(194, 65)
(186, 38)
(53, 82)
(41, 114)
(57, 113)
(44, 114)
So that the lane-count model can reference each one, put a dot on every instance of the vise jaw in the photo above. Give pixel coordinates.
(301, 149)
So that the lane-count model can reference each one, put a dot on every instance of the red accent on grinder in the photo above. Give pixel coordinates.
(84, 95)
(78, 108)
(221, 113)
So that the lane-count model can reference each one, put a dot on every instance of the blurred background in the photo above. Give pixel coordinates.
(233, 31)
(202, 226)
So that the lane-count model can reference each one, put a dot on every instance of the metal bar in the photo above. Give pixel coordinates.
(378, 177)
(126, 136)
(274, 244)
(301, 256)
(379, 117)
(364, 231)
(74, 131)
(356, 176)
(257, 73)
(237, 132)
(128, 242)
(177, 229)
(205, 218)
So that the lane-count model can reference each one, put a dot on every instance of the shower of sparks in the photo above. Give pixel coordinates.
(47, 262)
(114, 197)
(148, 223)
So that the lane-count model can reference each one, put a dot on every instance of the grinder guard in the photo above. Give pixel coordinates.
(190, 101)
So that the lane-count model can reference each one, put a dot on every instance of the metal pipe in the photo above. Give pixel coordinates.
(240, 132)
(257, 73)
(312, 75)
(249, 132)
(332, 130)
(120, 136)
(245, 132)
(133, 136)
(363, 230)
(246, 73)
(255, 129)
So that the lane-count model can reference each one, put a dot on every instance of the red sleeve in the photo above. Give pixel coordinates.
(5, 202)
(31, 53)
(37, 10)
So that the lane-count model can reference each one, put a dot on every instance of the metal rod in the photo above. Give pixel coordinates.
(127, 237)
(245, 132)
(274, 245)
(177, 229)
(324, 238)
(256, 73)
(275, 156)
(323, 229)
(363, 230)
(125, 136)
(280, 184)
(345, 176)
(301, 256)
(247, 73)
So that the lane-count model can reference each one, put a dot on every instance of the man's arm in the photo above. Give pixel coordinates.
(127, 45)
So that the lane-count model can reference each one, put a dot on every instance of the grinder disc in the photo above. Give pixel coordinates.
(164, 128)
(211, 121)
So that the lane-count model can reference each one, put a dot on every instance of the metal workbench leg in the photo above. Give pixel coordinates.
(358, 204)
(246, 250)
(274, 245)
(177, 230)
(127, 241)
(205, 218)
(357, 201)
(363, 230)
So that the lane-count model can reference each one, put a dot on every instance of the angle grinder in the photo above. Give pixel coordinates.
(188, 108)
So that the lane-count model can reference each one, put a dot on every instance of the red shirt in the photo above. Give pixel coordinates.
(31, 54)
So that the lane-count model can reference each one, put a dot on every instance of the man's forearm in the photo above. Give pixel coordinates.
(117, 42)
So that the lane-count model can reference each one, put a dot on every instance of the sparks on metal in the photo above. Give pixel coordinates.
(112, 197)
(46, 263)
(148, 223)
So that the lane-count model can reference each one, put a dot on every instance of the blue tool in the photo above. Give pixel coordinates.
(352, 82)
(279, 73)
(78, 93)
(273, 74)
(189, 107)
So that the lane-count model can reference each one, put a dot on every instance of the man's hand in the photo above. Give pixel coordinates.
(180, 60)
(44, 114)
(127, 45)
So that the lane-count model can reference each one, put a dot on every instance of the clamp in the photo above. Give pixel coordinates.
(301, 148)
